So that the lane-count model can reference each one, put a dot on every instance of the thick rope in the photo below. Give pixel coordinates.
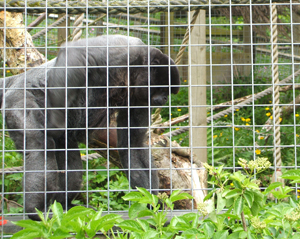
(53, 25)
(186, 37)
(78, 22)
(277, 153)
(238, 106)
(276, 115)
(117, 6)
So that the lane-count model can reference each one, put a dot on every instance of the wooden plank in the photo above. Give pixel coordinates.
(197, 97)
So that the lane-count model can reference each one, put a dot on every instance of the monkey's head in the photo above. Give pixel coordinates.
(164, 79)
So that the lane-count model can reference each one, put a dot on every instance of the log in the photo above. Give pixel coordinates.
(15, 41)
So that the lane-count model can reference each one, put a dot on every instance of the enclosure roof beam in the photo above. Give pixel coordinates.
(115, 7)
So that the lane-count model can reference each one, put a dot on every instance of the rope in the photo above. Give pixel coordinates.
(276, 115)
(53, 25)
(78, 22)
(238, 106)
(277, 152)
(21, 168)
(115, 7)
(186, 37)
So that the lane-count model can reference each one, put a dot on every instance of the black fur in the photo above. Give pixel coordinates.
(101, 71)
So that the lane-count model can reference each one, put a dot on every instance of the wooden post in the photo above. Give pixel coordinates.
(247, 50)
(197, 97)
(166, 33)
(296, 37)
(63, 31)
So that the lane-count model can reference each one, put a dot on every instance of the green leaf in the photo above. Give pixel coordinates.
(238, 205)
(252, 185)
(181, 197)
(293, 174)
(249, 198)
(221, 234)
(209, 229)
(175, 193)
(237, 184)
(150, 234)
(249, 235)
(190, 232)
(106, 222)
(58, 212)
(233, 193)
(255, 208)
(144, 192)
(135, 209)
(26, 234)
(221, 202)
(258, 197)
(133, 196)
(237, 176)
(76, 212)
(130, 225)
(220, 168)
(145, 213)
(59, 233)
(208, 196)
(235, 235)
(32, 225)
(272, 186)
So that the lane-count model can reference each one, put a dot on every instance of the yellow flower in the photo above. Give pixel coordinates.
(257, 151)
(298, 196)
(261, 137)
(215, 136)
(257, 131)
(185, 81)
(271, 117)
(243, 119)
(270, 101)
(179, 110)
(247, 120)
(237, 129)
(221, 134)
(280, 119)
(82, 154)
(297, 135)
(225, 116)
(268, 114)
(247, 124)
(208, 113)
(267, 108)
(237, 109)
(231, 184)
(297, 115)
(8, 71)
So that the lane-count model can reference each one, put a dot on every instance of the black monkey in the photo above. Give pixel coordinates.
(89, 81)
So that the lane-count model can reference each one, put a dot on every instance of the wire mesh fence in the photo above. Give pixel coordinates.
(85, 121)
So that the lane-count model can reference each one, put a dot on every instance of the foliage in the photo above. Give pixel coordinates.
(107, 186)
(235, 208)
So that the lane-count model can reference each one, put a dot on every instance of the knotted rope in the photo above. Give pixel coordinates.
(117, 6)
(186, 37)
(53, 25)
(78, 22)
(276, 114)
